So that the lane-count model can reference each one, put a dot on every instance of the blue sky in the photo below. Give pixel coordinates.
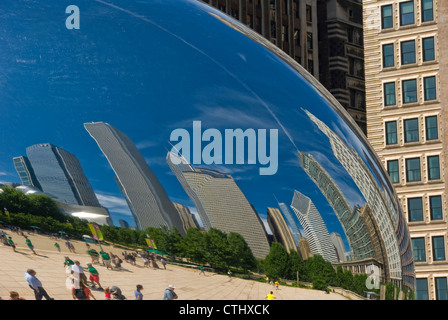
(148, 69)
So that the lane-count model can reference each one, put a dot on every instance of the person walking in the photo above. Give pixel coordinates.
(270, 296)
(78, 272)
(169, 293)
(94, 275)
(107, 294)
(116, 293)
(30, 245)
(163, 262)
(106, 260)
(138, 292)
(201, 270)
(36, 285)
(83, 293)
(57, 246)
(12, 244)
(276, 284)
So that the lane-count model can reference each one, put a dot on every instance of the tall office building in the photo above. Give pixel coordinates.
(405, 65)
(280, 229)
(338, 244)
(315, 229)
(60, 175)
(292, 224)
(324, 36)
(146, 197)
(188, 219)
(26, 172)
(220, 203)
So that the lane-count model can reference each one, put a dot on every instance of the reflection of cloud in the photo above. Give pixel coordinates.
(113, 203)
(2, 173)
(145, 144)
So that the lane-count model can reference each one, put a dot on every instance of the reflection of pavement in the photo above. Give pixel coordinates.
(190, 285)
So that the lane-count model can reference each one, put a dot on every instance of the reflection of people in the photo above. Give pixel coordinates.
(169, 293)
(270, 296)
(36, 285)
(201, 268)
(138, 292)
(13, 295)
(30, 245)
(116, 293)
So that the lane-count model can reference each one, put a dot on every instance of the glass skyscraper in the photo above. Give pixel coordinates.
(145, 195)
(60, 175)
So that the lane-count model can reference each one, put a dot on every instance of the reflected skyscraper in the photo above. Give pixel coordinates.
(188, 219)
(146, 197)
(338, 245)
(368, 187)
(221, 204)
(295, 232)
(314, 226)
(26, 172)
(280, 229)
(60, 175)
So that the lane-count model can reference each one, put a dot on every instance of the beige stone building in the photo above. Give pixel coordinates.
(405, 72)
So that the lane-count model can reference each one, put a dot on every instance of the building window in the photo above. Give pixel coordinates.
(415, 209)
(438, 248)
(408, 52)
(309, 15)
(413, 170)
(411, 130)
(427, 10)
(435, 207)
(421, 289)
(386, 17)
(441, 289)
(309, 41)
(409, 91)
(391, 132)
(389, 94)
(432, 131)
(430, 88)
(388, 55)
(406, 13)
(433, 168)
(418, 246)
(428, 49)
(392, 170)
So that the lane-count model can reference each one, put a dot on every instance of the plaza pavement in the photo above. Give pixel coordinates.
(189, 283)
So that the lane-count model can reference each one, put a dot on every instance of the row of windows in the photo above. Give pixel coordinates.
(408, 52)
(413, 169)
(407, 13)
(441, 289)
(411, 130)
(415, 208)
(409, 91)
(438, 248)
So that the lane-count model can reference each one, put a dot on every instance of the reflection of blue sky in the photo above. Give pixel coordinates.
(147, 70)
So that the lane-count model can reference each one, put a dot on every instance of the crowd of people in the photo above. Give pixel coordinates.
(82, 280)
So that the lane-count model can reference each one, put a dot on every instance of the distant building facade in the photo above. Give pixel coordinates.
(280, 230)
(188, 219)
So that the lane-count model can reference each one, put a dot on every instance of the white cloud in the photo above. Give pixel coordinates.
(113, 203)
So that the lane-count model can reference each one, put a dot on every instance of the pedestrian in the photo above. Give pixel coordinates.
(163, 262)
(72, 248)
(78, 272)
(107, 293)
(13, 295)
(68, 245)
(270, 296)
(94, 276)
(29, 244)
(229, 273)
(94, 255)
(36, 285)
(12, 244)
(57, 246)
(138, 292)
(83, 293)
(169, 293)
(106, 260)
(201, 270)
(276, 284)
(116, 293)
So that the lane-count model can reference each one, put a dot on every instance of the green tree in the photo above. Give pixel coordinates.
(14, 200)
(43, 205)
(193, 245)
(242, 255)
(217, 248)
(296, 264)
(276, 263)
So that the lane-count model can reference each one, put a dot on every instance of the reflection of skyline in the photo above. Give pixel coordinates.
(220, 203)
(314, 226)
(368, 187)
(145, 195)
